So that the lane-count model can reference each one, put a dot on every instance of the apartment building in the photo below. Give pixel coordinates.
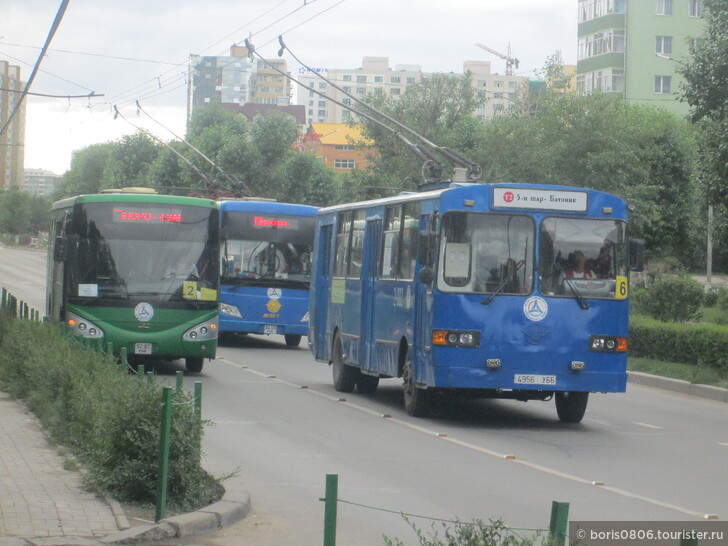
(633, 48)
(12, 138)
(237, 79)
(40, 182)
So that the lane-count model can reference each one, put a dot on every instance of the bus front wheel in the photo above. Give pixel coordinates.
(571, 406)
(416, 400)
(345, 376)
(292, 340)
(194, 365)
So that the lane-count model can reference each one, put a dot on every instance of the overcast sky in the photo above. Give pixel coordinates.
(130, 50)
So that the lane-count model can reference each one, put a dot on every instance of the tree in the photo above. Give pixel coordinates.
(14, 211)
(87, 171)
(130, 161)
(308, 181)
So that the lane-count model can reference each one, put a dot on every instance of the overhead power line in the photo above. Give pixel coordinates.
(54, 28)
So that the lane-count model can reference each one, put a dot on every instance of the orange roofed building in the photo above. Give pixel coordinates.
(339, 145)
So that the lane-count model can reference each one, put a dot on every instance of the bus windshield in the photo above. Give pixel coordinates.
(159, 251)
(484, 253)
(267, 249)
(581, 256)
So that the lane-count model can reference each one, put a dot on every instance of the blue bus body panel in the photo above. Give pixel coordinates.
(545, 347)
(284, 308)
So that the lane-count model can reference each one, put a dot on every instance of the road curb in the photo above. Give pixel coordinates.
(681, 386)
(230, 509)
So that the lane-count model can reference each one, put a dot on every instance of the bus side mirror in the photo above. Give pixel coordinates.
(636, 254)
(60, 249)
(427, 275)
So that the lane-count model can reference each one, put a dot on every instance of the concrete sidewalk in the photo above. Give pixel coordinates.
(43, 503)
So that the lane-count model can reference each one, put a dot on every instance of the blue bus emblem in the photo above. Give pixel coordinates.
(535, 308)
(144, 312)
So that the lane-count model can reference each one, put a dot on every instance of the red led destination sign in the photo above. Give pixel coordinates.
(151, 216)
(263, 222)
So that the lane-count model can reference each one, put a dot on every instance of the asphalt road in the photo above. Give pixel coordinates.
(278, 427)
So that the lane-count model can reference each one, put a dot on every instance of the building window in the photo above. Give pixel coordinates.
(321, 113)
(344, 147)
(696, 8)
(345, 116)
(497, 84)
(347, 89)
(346, 101)
(498, 95)
(663, 45)
(361, 90)
(694, 44)
(395, 79)
(378, 79)
(361, 79)
(322, 104)
(410, 80)
(512, 85)
(395, 91)
(662, 84)
(322, 85)
(347, 77)
(344, 163)
(663, 7)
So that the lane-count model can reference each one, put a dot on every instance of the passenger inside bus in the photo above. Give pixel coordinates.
(579, 269)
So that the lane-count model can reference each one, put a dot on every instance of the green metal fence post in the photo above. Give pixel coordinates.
(124, 359)
(110, 348)
(165, 428)
(180, 379)
(150, 378)
(198, 400)
(4, 297)
(330, 503)
(140, 371)
(559, 522)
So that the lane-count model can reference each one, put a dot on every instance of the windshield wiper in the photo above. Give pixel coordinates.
(574, 290)
(503, 283)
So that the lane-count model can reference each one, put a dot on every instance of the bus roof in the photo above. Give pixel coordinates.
(481, 197)
(268, 207)
(133, 198)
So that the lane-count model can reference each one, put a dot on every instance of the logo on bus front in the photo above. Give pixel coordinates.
(274, 293)
(535, 308)
(144, 312)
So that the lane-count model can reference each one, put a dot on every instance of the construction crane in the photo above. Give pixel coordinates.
(510, 61)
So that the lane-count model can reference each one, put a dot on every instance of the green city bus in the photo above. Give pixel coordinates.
(133, 269)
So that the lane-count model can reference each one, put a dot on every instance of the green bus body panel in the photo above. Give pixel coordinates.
(133, 198)
(164, 331)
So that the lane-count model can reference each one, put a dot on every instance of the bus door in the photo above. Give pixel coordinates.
(60, 249)
(424, 284)
(373, 240)
(322, 293)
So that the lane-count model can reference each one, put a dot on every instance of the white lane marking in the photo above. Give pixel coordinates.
(723, 444)
(486, 451)
(647, 425)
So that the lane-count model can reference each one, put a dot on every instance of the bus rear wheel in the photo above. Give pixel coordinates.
(571, 406)
(194, 364)
(345, 376)
(292, 340)
(416, 400)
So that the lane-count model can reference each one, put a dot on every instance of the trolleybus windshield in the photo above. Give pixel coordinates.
(262, 247)
(158, 251)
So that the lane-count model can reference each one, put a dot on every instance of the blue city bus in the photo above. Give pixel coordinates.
(266, 268)
(497, 290)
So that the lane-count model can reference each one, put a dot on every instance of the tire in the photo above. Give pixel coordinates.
(292, 340)
(416, 400)
(571, 406)
(194, 365)
(345, 376)
(367, 384)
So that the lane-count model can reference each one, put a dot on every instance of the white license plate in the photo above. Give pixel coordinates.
(270, 329)
(529, 379)
(142, 348)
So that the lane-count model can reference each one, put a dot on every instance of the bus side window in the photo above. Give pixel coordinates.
(456, 269)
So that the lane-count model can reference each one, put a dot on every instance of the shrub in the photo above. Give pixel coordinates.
(670, 299)
(696, 344)
(105, 416)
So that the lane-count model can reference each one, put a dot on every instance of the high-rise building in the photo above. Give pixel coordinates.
(633, 48)
(12, 138)
(236, 79)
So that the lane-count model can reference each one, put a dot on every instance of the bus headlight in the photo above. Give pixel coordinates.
(456, 338)
(607, 344)
(230, 310)
(82, 327)
(202, 332)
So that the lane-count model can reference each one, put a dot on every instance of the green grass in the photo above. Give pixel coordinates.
(687, 372)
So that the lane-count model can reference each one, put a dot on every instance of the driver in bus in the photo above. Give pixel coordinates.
(580, 270)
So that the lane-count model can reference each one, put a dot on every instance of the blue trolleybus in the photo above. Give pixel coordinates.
(506, 291)
(266, 268)
(136, 270)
